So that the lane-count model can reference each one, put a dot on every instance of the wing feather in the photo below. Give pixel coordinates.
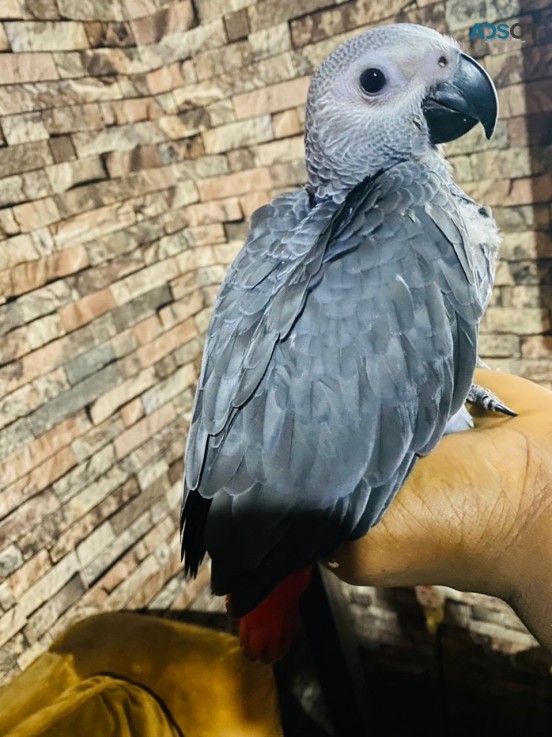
(341, 342)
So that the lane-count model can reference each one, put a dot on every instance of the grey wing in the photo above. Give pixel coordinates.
(251, 283)
(379, 355)
(483, 239)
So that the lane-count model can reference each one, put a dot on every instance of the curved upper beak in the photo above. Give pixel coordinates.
(469, 97)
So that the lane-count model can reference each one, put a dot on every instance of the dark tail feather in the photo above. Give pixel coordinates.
(192, 526)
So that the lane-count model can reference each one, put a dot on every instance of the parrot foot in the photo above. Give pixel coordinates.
(485, 398)
(266, 632)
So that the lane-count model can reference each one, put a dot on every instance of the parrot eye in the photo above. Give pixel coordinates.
(372, 80)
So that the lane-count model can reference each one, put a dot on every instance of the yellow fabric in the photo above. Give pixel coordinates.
(124, 674)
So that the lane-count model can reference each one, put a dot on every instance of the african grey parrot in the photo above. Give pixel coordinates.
(343, 339)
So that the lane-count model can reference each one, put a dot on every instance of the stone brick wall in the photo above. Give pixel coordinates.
(136, 138)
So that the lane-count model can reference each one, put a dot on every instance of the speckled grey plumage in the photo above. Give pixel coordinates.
(343, 339)
(344, 335)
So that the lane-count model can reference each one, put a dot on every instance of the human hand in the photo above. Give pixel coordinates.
(476, 514)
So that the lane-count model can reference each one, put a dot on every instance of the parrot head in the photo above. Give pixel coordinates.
(391, 94)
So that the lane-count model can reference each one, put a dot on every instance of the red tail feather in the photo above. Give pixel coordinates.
(267, 631)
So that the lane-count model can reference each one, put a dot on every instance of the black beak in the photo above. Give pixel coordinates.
(452, 108)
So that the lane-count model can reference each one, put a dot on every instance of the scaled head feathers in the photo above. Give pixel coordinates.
(367, 107)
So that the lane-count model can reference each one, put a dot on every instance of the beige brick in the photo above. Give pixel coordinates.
(146, 330)
(62, 149)
(523, 99)
(24, 128)
(92, 10)
(498, 345)
(46, 36)
(179, 46)
(132, 412)
(33, 215)
(93, 494)
(180, 310)
(270, 41)
(176, 18)
(23, 340)
(38, 451)
(49, 584)
(32, 570)
(166, 343)
(45, 95)
(271, 12)
(90, 226)
(144, 280)
(11, 623)
(252, 201)
(162, 393)
(76, 117)
(207, 235)
(4, 43)
(286, 124)
(237, 25)
(508, 192)
(69, 174)
(28, 276)
(537, 346)
(272, 99)
(220, 211)
(226, 253)
(166, 78)
(17, 250)
(214, 8)
(111, 401)
(526, 245)
(8, 226)
(234, 135)
(218, 61)
(86, 309)
(514, 321)
(234, 184)
(20, 68)
(24, 157)
(97, 540)
(146, 428)
(278, 152)
(119, 138)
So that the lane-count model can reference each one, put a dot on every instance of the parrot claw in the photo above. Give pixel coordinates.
(485, 398)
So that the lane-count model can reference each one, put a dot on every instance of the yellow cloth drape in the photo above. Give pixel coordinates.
(129, 675)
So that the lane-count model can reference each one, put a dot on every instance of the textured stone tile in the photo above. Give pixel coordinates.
(111, 401)
(327, 24)
(33, 215)
(79, 396)
(10, 560)
(272, 12)
(50, 611)
(234, 135)
(176, 18)
(46, 36)
(109, 34)
(92, 10)
(19, 68)
(28, 276)
(208, 9)
(44, 95)
(179, 46)
(24, 157)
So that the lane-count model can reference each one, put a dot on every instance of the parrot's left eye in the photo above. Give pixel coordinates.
(372, 80)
